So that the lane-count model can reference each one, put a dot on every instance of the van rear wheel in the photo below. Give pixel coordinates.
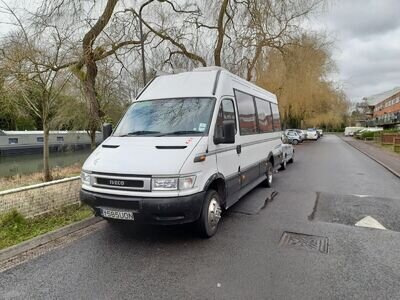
(283, 164)
(207, 224)
(270, 172)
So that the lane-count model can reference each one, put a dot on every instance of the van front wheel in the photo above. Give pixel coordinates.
(207, 224)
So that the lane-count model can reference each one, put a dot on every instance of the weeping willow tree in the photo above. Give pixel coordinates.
(298, 75)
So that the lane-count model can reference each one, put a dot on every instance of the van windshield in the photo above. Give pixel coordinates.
(167, 117)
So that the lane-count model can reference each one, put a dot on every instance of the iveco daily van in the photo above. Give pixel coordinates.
(191, 145)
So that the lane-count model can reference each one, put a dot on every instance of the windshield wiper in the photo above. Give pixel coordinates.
(140, 132)
(179, 132)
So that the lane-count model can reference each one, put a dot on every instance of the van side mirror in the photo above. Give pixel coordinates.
(227, 136)
(107, 130)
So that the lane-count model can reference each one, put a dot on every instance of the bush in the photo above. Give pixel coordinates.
(11, 219)
(368, 135)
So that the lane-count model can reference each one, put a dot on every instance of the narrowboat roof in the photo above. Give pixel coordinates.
(40, 132)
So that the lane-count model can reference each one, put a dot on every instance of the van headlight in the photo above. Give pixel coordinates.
(173, 183)
(165, 184)
(85, 177)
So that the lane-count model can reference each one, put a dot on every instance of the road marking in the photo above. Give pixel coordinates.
(361, 196)
(370, 222)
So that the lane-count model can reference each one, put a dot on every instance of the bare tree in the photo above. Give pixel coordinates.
(229, 33)
(23, 56)
(97, 43)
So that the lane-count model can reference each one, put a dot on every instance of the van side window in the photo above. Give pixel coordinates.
(264, 116)
(276, 118)
(247, 113)
(226, 112)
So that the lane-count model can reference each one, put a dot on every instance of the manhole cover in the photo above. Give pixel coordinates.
(304, 241)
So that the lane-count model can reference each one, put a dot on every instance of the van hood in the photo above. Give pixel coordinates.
(141, 155)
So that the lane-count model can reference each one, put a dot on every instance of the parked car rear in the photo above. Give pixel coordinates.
(312, 134)
(300, 132)
(293, 137)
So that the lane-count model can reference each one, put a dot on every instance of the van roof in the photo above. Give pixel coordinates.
(201, 82)
(187, 84)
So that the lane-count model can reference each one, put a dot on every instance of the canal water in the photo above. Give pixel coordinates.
(27, 164)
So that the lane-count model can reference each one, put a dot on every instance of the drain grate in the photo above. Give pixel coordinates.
(305, 241)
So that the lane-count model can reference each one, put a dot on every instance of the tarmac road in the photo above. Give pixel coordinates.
(245, 260)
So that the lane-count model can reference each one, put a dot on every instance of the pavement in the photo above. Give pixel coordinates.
(389, 160)
(300, 245)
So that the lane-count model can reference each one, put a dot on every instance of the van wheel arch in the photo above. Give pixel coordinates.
(217, 183)
(271, 159)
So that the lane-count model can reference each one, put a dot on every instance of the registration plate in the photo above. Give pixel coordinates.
(117, 214)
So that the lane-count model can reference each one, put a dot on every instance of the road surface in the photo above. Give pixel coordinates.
(322, 255)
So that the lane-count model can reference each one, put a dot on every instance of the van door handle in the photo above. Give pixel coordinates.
(239, 149)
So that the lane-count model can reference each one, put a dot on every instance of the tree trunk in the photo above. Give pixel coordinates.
(46, 168)
(89, 80)
(253, 62)
(221, 33)
(92, 103)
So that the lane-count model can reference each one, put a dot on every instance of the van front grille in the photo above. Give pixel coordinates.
(122, 182)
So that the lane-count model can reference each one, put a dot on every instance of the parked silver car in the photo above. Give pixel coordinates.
(302, 134)
(293, 137)
(286, 151)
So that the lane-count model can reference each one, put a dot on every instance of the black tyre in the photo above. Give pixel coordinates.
(270, 172)
(207, 224)
(283, 164)
(295, 142)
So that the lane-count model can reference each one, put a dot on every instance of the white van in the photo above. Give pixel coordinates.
(349, 131)
(190, 146)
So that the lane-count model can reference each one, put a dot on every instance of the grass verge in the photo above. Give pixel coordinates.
(18, 180)
(14, 228)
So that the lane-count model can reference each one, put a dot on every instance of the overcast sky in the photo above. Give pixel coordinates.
(367, 44)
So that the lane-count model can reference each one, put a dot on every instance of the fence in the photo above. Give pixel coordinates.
(387, 138)
(396, 144)
(42, 198)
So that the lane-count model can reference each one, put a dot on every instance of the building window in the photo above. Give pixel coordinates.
(264, 116)
(247, 113)
(60, 139)
(13, 141)
(39, 139)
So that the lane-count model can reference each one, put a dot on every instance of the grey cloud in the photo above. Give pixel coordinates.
(363, 18)
(367, 44)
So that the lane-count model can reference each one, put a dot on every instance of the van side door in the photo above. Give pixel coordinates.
(227, 155)
(252, 153)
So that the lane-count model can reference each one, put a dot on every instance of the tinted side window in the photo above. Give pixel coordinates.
(247, 113)
(276, 117)
(264, 116)
(226, 112)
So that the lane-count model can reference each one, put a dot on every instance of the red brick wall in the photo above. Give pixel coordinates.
(389, 109)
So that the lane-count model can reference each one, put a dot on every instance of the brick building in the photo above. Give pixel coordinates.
(384, 109)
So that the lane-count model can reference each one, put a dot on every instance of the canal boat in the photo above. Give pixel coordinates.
(30, 142)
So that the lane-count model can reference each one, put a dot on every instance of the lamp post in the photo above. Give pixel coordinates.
(142, 39)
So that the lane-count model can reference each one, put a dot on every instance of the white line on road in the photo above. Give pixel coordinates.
(370, 222)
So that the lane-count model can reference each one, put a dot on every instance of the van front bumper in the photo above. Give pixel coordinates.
(148, 210)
